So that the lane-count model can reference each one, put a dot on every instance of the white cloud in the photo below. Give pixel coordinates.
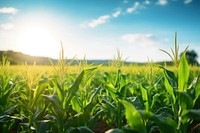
(142, 46)
(187, 1)
(7, 26)
(117, 13)
(10, 10)
(101, 20)
(133, 8)
(144, 40)
(147, 2)
(162, 2)
(125, 1)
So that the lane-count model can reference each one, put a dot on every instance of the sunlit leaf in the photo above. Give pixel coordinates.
(133, 117)
(183, 73)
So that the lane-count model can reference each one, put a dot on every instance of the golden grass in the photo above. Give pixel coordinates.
(50, 70)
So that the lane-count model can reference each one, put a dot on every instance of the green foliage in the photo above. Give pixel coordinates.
(133, 117)
(150, 99)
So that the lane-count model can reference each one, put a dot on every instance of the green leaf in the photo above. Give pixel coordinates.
(108, 103)
(197, 89)
(37, 115)
(92, 122)
(38, 91)
(59, 91)
(145, 97)
(107, 77)
(192, 113)
(166, 125)
(56, 104)
(110, 87)
(42, 126)
(6, 93)
(76, 104)
(89, 106)
(185, 100)
(169, 74)
(73, 89)
(183, 73)
(170, 90)
(8, 110)
(133, 117)
(82, 129)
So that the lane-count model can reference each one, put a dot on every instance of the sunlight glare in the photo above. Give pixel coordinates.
(37, 41)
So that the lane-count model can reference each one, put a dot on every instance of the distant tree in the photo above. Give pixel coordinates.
(192, 56)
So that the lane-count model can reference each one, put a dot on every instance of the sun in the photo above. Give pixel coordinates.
(37, 41)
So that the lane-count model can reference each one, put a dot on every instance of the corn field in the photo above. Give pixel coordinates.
(114, 99)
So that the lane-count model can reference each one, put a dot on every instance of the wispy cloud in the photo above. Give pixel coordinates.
(162, 2)
(117, 13)
(144, 40)
(134, 7)
(101, 20)
(7, 26)
(125, 1)
(9, 10)
(187, 1)
(147, 2)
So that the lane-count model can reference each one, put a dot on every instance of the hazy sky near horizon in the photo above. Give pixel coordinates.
(97, 28)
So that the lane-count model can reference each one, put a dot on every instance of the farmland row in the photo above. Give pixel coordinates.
(85, 98)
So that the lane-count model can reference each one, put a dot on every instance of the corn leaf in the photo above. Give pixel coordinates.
(185, 100)
(76, 104)
(197, 89)
(133, 117)
(82, 129)
(59, 91)
(183, 74)
(145, 97)
(170, 90)
(74, 88)
(166, 125)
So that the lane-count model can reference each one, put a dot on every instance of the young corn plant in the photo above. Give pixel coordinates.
(7, 106)
(65, 99)
(181, 93)
(182, 96)
(149, 86)
(85, 102)
(31, 105)
(175, 53)
(115, 87)
(60, 103)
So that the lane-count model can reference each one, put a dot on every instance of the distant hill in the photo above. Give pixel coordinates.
(18, 58)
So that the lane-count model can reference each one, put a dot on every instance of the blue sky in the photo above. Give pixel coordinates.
(97, 28)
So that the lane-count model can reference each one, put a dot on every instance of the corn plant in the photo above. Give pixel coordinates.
(175, 53)
(59, 103)
(7, 106)
(115, 86)
(66, 98)
(183, 95)
(31, 105)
